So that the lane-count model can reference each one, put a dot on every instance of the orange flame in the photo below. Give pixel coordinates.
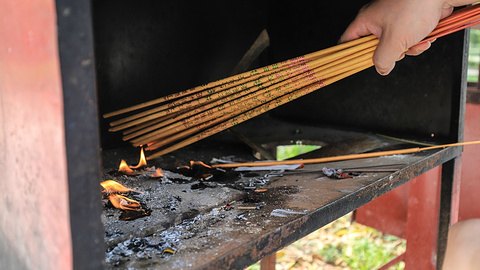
(158, 173)
(124, 203)
(112, 187)
(142, 162)
(199, 163)
(125, 169)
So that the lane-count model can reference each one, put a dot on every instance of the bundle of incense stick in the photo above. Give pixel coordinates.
(174, 121)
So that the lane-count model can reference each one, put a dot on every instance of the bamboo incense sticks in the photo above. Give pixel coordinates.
(255, 112)
(253, 74)
(174, 121)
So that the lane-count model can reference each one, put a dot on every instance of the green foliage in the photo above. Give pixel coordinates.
(473, 56)
(342, 245)
(367, 255)
(363, 253)
(255, 266)
(475, 37)
(289, 151)
(330, 253)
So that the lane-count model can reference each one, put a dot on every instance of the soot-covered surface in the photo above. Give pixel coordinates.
(197, 224)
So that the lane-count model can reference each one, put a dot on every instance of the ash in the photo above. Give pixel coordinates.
(141, 248)
(156, 249)
(188, 216)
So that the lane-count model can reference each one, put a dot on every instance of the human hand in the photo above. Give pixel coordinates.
(400, 25)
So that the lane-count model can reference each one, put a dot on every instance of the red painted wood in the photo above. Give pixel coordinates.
(387, 213)
(34, 220)
(470, 173)
(422, 220)
(269, 262)
(409, 212)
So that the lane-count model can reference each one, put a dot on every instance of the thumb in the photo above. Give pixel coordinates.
(388, 51)
(354, 30)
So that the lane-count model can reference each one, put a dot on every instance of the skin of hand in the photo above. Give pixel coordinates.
(463, 246)
(400, 25)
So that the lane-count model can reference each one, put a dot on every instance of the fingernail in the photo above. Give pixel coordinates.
(384, 71)
(427, 45)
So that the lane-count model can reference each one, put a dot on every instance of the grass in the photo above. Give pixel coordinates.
(341, 245)
(289, 151)
(473, 56)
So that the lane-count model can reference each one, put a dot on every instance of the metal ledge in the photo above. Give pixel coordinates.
(235, 239)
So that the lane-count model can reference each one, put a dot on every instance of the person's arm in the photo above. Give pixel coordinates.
(463, 246)
(399, 24)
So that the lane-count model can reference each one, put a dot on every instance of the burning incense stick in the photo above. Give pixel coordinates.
(341, 158)
(191, 115)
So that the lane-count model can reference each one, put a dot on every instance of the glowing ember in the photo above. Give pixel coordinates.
(142, 162)
(169, 250)
(124, 203)
(158, 173)
(112, 187)
(125, 169)
(150, 143)
(192, 163)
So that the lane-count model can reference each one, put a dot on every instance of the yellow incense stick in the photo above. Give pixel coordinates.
(250, 114)
(241, 104)
(253, 73)
(341, 158)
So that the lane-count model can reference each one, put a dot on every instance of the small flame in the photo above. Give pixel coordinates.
(125, 169)
(124, 203)
(142, 162)
(112, 187)
(158, 173)
(192, 163)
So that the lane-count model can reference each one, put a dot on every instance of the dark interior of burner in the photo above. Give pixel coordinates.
(148, 49)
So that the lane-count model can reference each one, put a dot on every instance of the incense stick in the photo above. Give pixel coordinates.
(259, 84)
(253, 113)
(221, 109)
(341, 158)
(254, 101)
(234, 87)
(253, 73)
